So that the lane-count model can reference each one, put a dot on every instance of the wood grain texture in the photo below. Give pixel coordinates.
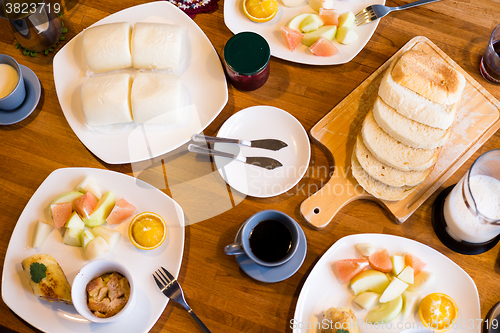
(223, 296)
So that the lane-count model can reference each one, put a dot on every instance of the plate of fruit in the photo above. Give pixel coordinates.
(385, 283)
(313, 32)
(78, 215)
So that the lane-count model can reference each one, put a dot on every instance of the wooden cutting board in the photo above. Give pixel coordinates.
(476, 121)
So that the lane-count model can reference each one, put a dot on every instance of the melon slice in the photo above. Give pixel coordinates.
(292, 37)
(85, 204)
(61, 213)
(381, 261)
(323, 47)
(329, 16)
(121, 211)
(349, 268)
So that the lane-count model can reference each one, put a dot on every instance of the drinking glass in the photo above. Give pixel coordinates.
(34, 23)
(472, 209)
(490, 62)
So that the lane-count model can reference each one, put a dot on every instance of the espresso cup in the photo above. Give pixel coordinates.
(16, 96)
(269, 238)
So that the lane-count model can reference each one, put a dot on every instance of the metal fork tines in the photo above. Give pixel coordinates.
(374, 12)
(171, 288)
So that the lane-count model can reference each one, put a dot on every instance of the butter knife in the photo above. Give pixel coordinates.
(271, 144)
(263, 162)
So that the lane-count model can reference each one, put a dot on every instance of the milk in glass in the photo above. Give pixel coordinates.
(462, 223)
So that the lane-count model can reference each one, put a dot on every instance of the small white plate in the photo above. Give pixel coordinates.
(59, 317)
(323, 289)
(237, 22)
(264, 122)
(201, 74)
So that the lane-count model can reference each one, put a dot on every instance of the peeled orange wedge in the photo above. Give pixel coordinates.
(438, 312)
(260, 10)
(147, 231)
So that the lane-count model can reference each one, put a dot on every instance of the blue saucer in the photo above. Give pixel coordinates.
(277, 273)
(33, 92)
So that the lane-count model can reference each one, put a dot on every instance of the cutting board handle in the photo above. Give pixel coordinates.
(320, 208)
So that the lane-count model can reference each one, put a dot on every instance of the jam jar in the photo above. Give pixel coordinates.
(246, 60)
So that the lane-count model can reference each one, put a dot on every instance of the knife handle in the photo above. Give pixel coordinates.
(206, 151)
(212, 139)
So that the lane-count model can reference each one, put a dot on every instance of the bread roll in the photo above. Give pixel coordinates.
(106, 99)
(46, 278)
(393, 153)
(156, 98)
(107, 47)
(414, 106)
(374, 187)
(407, 131)
(385, 173)
(156, 45)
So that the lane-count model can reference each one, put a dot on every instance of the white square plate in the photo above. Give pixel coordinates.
(59, 317)
(323, 289)
(201, 74)
(237, 22)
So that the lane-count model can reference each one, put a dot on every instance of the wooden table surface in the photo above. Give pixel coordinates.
(222, 295)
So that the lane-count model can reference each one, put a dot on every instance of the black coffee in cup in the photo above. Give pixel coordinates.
(270, 240)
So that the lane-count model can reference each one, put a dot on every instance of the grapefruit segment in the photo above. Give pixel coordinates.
(85, 204)
(323, 47)
(292, 37)
(381, 261)
(61, 213)
(415, 263)
(121, 211)
(329, 16)
(349, 268)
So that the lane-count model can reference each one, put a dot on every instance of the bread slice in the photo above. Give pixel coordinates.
(429, 77)
(407, 131)
(374, 187)
(385, 173)
(414, 106)
(393, 153)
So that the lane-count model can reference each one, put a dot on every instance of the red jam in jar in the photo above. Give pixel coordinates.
(246, 60)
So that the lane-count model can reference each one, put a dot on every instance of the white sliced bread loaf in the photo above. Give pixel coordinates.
(393, 153)
(407, 131)
(106, 47)
(385, 173)
(157, 98)
(106, 99)
(422, 88)
(374, 187)
(156, 45)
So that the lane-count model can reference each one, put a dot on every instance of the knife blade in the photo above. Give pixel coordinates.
(271, 144)
(263, 162)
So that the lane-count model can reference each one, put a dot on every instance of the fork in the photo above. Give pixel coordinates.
(373, 12)
(171, 288)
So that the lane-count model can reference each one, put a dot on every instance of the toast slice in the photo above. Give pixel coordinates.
(392, 152)
(385, 173)
(407, 131)
(374, 187)
(436, 112)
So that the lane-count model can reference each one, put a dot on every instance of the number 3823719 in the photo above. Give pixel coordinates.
(30, 7)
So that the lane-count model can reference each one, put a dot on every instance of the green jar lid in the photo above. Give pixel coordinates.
(247, 53)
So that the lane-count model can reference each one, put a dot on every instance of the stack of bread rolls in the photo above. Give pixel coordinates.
(114, 98)
(411, 119)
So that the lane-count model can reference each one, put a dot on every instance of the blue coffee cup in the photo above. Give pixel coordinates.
(17, 96)
(269, 238)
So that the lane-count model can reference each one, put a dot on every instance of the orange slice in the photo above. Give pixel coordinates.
(147, 231)
(438, 312)
(260, 10)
